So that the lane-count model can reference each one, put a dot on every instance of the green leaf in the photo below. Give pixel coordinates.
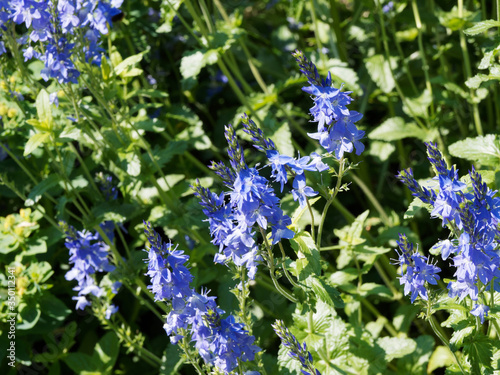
(395, 128)
(480, 351)
(481, 27)
(191, 64)
(80, 363)
(418, 106)
(441, 357)
(133, 165)
(415, 206)
(415, 363)
(37, 192)
(304, 246)
(28, 315)
(171, 361)
(36, 245)
(35, 141)
(380, 72)
(324, 292)
(482, 149)
(396, 347)
(126, 64)
(458, 336)
(107, 351)
(44, 109)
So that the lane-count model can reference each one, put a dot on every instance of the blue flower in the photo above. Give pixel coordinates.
(89, 254)
(297, 350)
(220, 342)
(481, 311)
(336, 130)
(301, 191)
(170, 278)
(418, 270)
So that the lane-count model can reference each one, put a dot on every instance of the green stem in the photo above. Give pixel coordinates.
(425, 65)
(468, 71)
(371, 198)
(272, 270)
(312, 217)
(330, 200)
(287, 274)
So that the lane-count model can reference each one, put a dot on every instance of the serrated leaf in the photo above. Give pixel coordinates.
(480, 351)
(418, 106)
(35, 141)
(482, 149)
(415, 206)
(395, 128)
(458, 336)
(324, 292)
(481, 27)
(308, 254)
(415, 363)
(191, 64)
(380, 72)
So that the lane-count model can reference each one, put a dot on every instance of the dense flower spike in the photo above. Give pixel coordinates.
(89, 254)
(473, 214)
(220, 342)
(418, 270)
(169, 275)
(336, 131)
(55, 31)
(297, 350)
(251, 206)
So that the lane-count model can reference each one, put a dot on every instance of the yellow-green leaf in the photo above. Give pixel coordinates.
(35, 141)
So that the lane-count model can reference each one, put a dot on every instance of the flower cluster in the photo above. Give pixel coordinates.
(220, 342)
(283, 165)
(418, 270)
(473, 215)
(251, 206)
(62, 28)
(89, 254)
(337, 132)
(297, 350)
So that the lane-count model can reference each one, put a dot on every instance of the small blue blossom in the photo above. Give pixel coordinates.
(418, 270)
(481, 311)
(301, 191)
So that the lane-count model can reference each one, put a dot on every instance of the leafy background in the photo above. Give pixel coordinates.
(152, 118)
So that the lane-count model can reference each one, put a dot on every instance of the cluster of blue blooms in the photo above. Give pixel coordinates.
(418, 270)
(473, 215)
(63, 28)
(252, 206)
(220, 342)
(297, 350)
(89, 254)
(337, 132)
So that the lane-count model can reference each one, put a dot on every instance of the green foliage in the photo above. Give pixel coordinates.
(151, 118)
